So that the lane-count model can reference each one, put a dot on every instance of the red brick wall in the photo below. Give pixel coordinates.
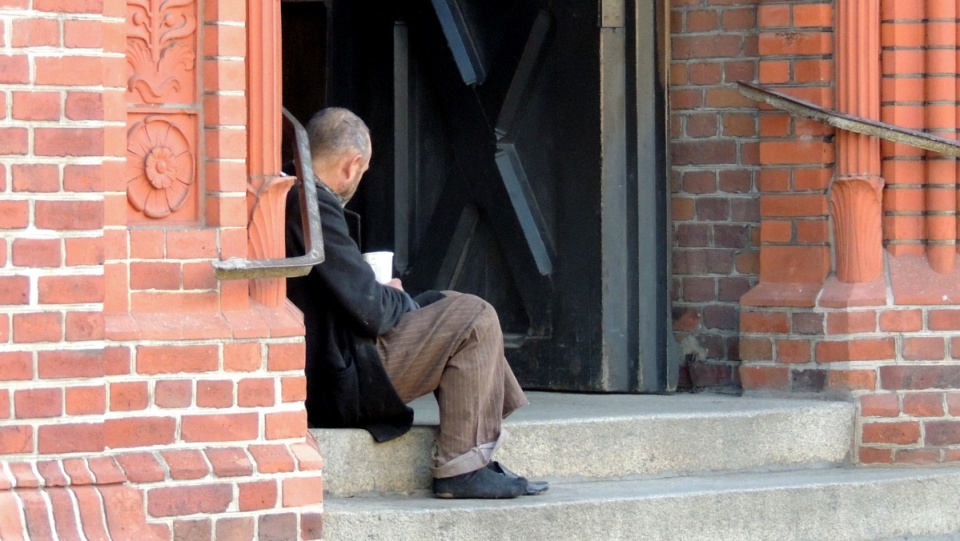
(910, 417)
(130, 378)
(888, 344)
(715, 153)
(55, 134)
(796, 45)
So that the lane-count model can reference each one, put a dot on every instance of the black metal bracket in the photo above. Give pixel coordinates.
(805, 109)
(237, 268)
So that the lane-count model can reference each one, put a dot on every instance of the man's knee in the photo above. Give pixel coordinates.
(486, 323)
(485, 318)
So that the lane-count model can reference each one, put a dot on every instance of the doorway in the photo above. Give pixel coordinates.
(519, 154)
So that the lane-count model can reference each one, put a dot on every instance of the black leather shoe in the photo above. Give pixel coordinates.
(533, 487)
(483, 484)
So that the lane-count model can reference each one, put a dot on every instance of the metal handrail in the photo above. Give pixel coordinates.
(852, 123)
(237, 268)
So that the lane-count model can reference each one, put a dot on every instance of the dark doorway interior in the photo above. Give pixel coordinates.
(304, 30)
(492, 172)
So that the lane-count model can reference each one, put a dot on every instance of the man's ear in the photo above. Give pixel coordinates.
(352, 165)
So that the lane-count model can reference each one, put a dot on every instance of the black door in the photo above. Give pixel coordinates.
(501, 168)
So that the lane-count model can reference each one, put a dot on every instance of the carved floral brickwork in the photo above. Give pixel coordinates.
(161, 50)
(162, 123)
(266, 198)
(160, 167)
(856, 204)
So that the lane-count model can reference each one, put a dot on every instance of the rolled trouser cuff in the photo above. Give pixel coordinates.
(472, 460)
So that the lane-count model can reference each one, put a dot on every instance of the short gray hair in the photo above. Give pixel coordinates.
(334, 131)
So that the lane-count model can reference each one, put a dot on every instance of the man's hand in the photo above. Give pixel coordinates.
(395, 283)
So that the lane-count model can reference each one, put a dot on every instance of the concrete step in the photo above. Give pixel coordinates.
(841, 504)
(586, 437)
(949, 537)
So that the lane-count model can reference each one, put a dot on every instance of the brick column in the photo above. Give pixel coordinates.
(797, 156)
(856, 194)
(891, 349)
(126, 368)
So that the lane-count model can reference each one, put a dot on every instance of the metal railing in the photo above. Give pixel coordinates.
(805, 109)
(237, 268)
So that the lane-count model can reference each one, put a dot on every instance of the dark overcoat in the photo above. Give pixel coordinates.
(344, 310)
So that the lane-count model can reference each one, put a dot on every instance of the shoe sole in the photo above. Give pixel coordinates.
(449, 496)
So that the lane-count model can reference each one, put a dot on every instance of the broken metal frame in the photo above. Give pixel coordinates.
(237, 268)
(851, 123)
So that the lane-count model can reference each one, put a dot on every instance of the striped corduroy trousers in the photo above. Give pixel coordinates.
(454, 348)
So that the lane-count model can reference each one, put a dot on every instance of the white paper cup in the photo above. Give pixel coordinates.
(382, 265)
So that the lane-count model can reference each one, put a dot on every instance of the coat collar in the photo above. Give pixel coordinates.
(328, 189)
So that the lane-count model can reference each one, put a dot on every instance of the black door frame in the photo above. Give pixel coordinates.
(637, 232)
(637, 335)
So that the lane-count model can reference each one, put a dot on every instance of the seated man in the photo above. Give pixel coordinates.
(371, 348)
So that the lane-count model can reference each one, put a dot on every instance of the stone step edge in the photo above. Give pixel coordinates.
(572, 480)
(855, 504)
(671, 487)
(652, 447)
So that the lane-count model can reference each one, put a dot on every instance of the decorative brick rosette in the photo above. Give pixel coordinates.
(160, 166)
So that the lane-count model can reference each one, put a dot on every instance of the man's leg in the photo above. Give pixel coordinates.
(455, 348)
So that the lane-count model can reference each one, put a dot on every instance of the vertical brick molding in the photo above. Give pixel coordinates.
(919, 202)
(904, 73)
(264, 68)
(267, 190)
(856, 194)
(266, 232)
(941, 100)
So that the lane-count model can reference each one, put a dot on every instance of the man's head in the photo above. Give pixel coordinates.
(340, 148)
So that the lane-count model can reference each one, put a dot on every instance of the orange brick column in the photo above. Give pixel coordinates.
(892, 349)
(777, 320)
(910, 416)
(140, 394)
(856, 194)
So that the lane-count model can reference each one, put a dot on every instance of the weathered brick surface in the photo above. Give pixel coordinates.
(258, 495)
(898, 368)
(188, 500)
(714, 145)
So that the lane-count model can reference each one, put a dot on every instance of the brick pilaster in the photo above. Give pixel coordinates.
(116, 342)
